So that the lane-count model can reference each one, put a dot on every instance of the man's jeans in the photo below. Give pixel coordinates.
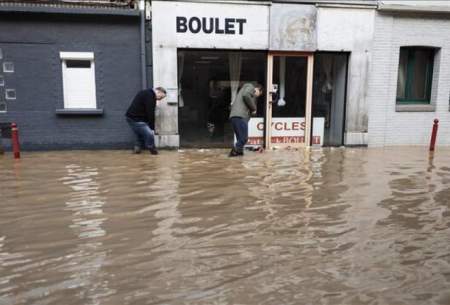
(145, 136)
(240, 128)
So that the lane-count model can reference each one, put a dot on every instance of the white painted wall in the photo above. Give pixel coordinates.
(166, 40)
(351, 30)
(386, 125)
(255, 34)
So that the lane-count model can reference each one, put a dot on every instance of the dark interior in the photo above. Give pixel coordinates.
(205, 88)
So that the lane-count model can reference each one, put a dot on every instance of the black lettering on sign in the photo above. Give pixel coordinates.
(209, 25)
(218, 29)
(241, 25)
(181, 24)
(229, 26)
(205, 22)
(195, 25)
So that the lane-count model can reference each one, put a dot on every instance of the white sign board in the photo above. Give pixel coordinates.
(285, 131)
(210, 25)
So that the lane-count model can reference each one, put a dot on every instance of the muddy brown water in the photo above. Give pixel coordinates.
(331, 226)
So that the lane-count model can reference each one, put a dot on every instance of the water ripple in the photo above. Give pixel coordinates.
(321, 226)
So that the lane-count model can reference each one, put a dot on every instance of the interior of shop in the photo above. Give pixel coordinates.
(289, 75)
(209, 80)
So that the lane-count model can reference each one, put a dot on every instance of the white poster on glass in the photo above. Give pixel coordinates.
(285, 131)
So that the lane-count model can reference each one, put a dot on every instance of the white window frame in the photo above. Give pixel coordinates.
(8, 94)
(8, 67)
(92, 99)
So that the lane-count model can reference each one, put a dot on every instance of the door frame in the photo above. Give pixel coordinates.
(308, 100)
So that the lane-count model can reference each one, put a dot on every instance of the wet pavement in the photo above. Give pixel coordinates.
(332, 226)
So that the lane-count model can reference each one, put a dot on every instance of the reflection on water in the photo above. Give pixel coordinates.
(331, 226)
(86, 205)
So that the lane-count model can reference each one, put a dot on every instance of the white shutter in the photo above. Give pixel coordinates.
(78, 80)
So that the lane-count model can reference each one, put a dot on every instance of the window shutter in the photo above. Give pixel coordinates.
(79, 81)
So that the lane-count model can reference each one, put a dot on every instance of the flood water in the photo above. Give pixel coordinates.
(332, 226)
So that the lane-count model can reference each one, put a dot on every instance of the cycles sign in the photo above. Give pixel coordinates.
(285, 131)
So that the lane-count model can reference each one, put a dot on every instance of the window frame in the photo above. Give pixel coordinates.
(8, 67)
(10, 94)
(411, 51)
(77, 56)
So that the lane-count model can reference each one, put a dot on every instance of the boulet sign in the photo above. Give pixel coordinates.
(211, 25)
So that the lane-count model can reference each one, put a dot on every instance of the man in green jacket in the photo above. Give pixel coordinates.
(241, 109)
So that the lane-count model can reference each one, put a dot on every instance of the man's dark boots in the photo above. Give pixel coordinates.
(153, 151)
(137, 149)
(235, 153)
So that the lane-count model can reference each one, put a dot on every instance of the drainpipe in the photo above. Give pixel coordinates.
(143, 59)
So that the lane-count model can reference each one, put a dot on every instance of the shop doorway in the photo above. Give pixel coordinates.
(288, 119)
(329, 97)
(208, 81)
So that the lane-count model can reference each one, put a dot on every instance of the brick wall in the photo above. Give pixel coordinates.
(33, 44)
(386, 125)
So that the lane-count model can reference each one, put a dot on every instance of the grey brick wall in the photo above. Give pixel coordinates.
(33, 42)
(386, 125)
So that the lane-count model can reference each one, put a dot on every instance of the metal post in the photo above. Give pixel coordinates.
(434, 134)
(15, 140)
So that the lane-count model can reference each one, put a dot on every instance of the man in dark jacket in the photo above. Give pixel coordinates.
(242, 108)
(141, 118)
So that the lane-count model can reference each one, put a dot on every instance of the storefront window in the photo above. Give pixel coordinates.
(329, 97)
(208, 81)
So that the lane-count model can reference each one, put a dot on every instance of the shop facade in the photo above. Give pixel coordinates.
(313, 61)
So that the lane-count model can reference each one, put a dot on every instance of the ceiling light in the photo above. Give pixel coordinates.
(210, 57)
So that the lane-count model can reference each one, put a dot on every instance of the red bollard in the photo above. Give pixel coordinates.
(15, 140)
(434, 134)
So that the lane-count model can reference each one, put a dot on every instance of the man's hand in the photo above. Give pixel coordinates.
(254, 113)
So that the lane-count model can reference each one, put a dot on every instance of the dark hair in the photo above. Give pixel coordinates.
(260, 87)
(161, 89)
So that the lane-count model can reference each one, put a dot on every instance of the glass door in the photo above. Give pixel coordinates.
(289, 99)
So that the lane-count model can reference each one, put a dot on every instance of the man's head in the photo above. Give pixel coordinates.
(258, 90)
(160, 93)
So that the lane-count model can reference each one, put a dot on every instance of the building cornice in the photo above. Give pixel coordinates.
(401, 8)
(65, 9)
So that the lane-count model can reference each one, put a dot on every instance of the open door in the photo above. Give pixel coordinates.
(289, 100)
